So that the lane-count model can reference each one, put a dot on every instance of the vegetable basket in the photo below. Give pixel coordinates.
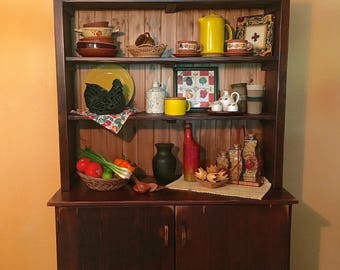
(101, 184)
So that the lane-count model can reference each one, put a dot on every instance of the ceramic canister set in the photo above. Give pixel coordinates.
(244, 98)
(157, 102)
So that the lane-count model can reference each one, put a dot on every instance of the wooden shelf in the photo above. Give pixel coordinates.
(173, 60)
(80, 195)
(171, 6)
(188, 116)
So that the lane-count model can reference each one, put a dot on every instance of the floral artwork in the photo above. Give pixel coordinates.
(197, 85)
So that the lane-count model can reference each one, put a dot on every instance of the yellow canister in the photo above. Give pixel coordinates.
(212, 34)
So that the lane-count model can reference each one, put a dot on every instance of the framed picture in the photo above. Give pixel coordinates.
(197, 84)
(258, 30)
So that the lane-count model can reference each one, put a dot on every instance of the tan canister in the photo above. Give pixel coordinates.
(241, 88)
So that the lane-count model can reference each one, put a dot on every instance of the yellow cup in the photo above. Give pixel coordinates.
(176, 106)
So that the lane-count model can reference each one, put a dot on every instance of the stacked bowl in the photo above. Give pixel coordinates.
(97, 40)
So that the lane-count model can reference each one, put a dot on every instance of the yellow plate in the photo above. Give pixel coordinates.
(104, 75)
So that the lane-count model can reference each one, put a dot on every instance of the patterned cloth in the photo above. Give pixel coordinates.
(112, 122)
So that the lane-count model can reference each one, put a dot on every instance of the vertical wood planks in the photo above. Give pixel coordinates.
(120, 21)
(185, 22)
(137, 138)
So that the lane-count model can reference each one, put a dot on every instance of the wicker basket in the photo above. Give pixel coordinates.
(208, 184)
(146, 50)
(100, 184)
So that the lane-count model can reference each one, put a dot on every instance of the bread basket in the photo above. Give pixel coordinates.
(146, 50)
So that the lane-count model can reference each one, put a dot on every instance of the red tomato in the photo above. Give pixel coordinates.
(82, 164)
(94, 169)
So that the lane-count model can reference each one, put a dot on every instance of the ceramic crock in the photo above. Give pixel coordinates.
(212, 34)
(164, 164)
(155, 99)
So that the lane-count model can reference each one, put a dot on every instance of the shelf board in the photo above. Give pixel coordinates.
(173, 60)
(170, 5)
(188, 116)
(80, 195)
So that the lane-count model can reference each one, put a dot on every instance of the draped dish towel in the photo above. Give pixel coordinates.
(228, 190)
(112, 122)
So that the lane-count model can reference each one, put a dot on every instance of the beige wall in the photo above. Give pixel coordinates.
(29, 135)
(29, 172)
(312, 150)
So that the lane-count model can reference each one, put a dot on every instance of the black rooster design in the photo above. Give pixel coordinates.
(100, 101)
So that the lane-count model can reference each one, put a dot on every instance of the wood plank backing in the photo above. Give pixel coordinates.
(137, 139)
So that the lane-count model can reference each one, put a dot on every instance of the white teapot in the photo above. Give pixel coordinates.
(229, 100)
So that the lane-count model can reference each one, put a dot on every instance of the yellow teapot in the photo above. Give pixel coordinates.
(212, 38)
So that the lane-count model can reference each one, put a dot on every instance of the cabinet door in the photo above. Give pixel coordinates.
(135, 238)
(232, 237)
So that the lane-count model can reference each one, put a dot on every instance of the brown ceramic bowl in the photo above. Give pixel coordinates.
(96, 24)
(95, 45)
(97, 52)
(96, 49)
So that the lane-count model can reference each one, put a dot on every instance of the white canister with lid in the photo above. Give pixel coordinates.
(155, 99)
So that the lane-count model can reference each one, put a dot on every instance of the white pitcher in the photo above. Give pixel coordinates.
(227, 99)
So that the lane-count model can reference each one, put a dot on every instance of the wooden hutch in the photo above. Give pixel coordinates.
(169, 229)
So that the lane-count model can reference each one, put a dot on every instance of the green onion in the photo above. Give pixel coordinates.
(92, 155)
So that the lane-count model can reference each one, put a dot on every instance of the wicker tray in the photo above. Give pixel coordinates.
(100, 184)
(146, 50)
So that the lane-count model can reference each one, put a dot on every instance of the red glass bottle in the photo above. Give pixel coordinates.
(191, 154)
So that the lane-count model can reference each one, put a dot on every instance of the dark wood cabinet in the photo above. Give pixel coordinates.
(232, 237)
(202, 237)
(115, 238)
(169, 229)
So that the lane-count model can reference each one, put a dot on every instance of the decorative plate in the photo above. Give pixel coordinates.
(258, 30)
(104, 75)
